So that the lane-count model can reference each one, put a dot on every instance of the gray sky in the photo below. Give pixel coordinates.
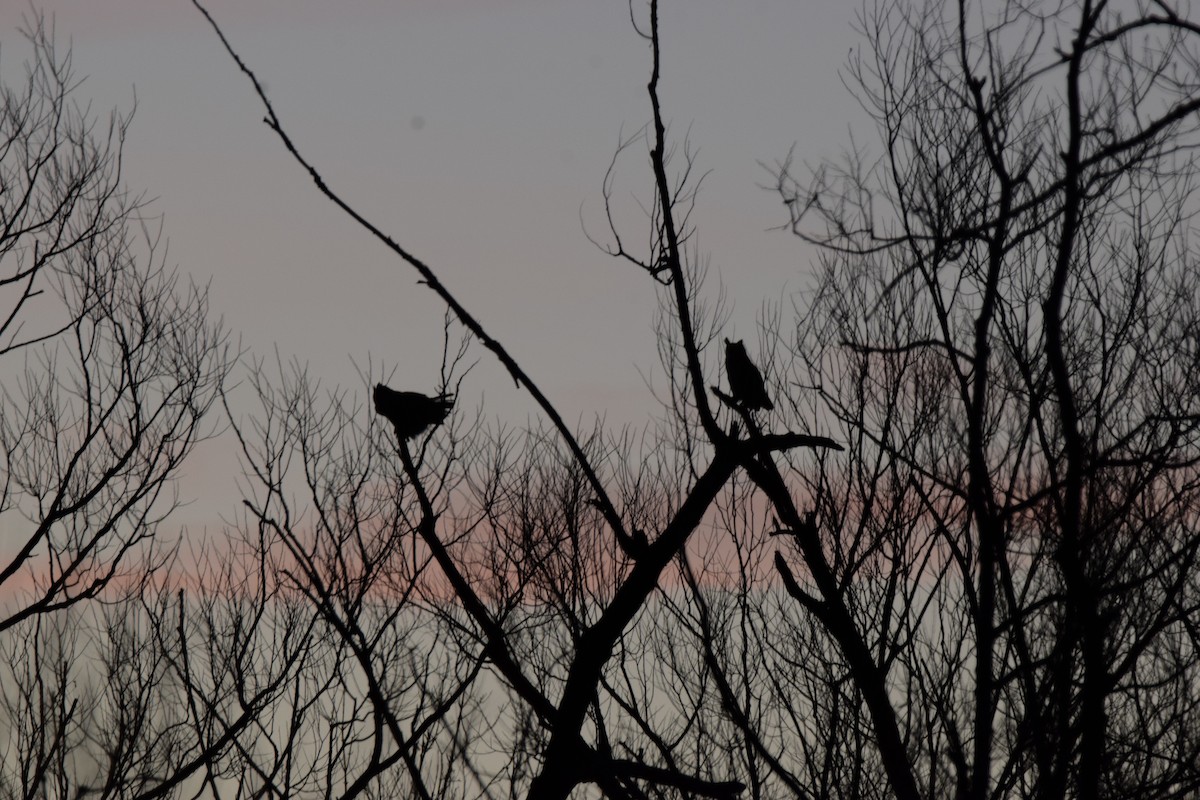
(473, 132)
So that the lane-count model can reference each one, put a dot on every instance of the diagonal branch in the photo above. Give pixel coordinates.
(431, 280)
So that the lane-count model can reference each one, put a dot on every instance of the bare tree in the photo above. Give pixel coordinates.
(110, 367)
(1005, 329)
(982, 584)
(120, 360)
(563, 543)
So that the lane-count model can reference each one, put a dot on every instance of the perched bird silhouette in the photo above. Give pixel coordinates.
(411, 412)
(745, 381)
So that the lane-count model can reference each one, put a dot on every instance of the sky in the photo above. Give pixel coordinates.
(477, 134)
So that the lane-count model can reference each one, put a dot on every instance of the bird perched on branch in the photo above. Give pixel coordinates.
(745, 381)
(411, 412)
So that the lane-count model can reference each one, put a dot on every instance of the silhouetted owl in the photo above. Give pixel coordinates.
(745, 381)
(411, 412)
